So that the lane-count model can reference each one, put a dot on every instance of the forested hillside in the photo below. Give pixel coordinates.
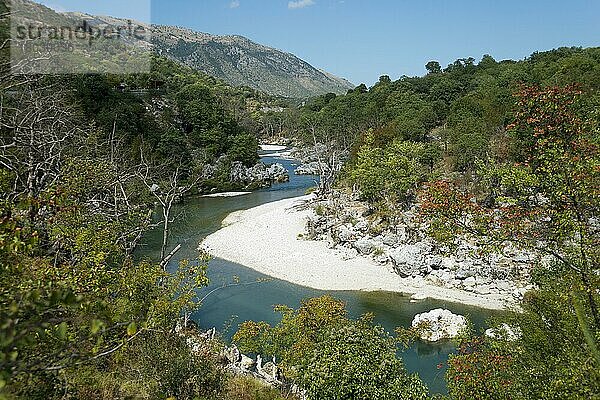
(489, 152)
(89, 164)
(492, 153)
(459, 112)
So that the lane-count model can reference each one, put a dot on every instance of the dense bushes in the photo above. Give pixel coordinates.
(462, 110)
(80, 317)
(332, 356)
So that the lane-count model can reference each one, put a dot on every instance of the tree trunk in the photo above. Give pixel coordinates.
(163, 249)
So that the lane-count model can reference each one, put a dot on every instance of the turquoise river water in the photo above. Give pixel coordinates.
(226, 309)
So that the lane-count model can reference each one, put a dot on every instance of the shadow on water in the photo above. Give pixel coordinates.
(226, 309)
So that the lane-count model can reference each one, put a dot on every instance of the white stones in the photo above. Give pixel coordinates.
(469, 283)
(361, 226)
(364, 245)
(433, 261)
(483, 289)
(504, 285)
(391, 239)
(407, 259)
(439, 324)
(504, 332)
(521, 257)
(345, 234)
(419, 296)
(406, 248)
(247, 363)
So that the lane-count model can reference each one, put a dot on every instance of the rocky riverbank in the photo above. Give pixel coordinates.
(228, 175)
(405, 248)
(268, 373)
(311, 159)
(273, 239)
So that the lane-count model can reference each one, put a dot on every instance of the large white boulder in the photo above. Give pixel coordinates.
(439, 324)
(408, 260)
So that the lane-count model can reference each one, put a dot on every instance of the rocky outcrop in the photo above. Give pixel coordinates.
(438, 324)
(257, 176)
(313, 159)
(261, 173)
(269, 373)
(311, 168)
(405, 247)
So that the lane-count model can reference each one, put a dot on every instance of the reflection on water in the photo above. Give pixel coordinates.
(227, 308)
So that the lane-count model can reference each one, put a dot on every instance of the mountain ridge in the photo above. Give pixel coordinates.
(237, 60)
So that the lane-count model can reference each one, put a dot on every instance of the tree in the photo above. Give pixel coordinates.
(331, 149)
(72, 211)
(385, 80)
(546, 202)
(433, 67)
(37, 127)
(391, 175)
(243, 148)
(167, 192)
(331, 356)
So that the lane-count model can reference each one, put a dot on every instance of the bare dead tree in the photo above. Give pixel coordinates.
(167, 192)
(331, 150)
(37, 126)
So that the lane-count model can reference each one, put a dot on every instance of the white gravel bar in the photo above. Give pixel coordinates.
(268, 239)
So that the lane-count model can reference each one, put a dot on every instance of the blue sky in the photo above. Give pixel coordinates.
(363, 39)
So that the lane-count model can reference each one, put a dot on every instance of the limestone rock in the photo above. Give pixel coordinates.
(439, 324)
(232, 354)
(505, 332)
(345, 234)
(365, 245)
(407, 260)
(247, 363)
(258, 174)
(312, 168)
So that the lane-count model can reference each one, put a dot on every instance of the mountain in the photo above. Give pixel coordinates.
(240, 61)
(234, 59)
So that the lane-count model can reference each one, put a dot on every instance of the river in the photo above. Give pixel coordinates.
(226, 309)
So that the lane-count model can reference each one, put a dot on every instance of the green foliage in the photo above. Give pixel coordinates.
(549, 360)
(394, 173)
(547, 202)
(242, 388)
(358, 361)
(332, 356)
(464, 108)
(80, 318)
(180, 117)
(157, 366)
(243, 148)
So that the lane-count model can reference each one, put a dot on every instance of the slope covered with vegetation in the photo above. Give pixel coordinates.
(495, 153)
(84, 160)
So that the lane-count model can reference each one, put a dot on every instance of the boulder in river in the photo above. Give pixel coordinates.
(439, 324)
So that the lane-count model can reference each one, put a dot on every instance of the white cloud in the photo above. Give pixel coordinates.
(293, 5)
(234, 4)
